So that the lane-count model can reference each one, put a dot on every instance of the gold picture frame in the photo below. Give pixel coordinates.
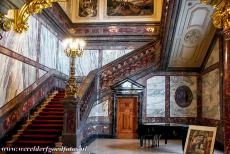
(101, 9)
(200, 140)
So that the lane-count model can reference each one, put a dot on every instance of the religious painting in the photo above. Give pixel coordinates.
(200, 140)
(88, 8)
(130, 7)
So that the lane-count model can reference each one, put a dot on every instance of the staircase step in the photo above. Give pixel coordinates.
(28, 143)
(38, 136)
(55, 102)
(55, 105)
(53, 109)
(51, 117)
(59, 96)
(48, 113)
(48, 121)
(42, 131)
(47, 126)
(56, 99)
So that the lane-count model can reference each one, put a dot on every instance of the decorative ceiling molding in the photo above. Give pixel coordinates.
(192, 36)
(109, 45)
(168, 26)
(115, 30)
(57, 16)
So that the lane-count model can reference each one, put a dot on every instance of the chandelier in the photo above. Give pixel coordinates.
(73, 49)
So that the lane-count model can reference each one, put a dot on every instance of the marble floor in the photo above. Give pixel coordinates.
(131, 146)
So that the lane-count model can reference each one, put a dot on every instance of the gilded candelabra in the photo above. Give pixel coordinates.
(74, 49)
(221, 16)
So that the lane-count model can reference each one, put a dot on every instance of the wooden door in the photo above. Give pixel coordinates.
(127, 117)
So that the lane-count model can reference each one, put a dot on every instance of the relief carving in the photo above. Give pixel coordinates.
(192, 37)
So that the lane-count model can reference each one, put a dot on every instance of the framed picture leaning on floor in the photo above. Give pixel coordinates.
(200, 140)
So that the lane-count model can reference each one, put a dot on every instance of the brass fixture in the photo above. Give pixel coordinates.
(22, 15)
(150, 29)
(221, 16)
(5, 23)
(73, 49)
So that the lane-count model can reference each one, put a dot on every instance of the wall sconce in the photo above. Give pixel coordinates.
(22, 15)
(113, 29)
(221, 16)
(150, 29)
(73, 49)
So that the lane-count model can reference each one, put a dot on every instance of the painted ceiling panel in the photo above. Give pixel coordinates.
(193, 35)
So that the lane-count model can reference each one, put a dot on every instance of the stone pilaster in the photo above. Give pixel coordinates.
(226, 92)
(70, 135)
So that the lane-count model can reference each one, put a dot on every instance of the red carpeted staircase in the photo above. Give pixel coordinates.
(46, 126)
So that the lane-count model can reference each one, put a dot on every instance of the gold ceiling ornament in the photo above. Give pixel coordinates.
(5, 23)
(31, 7)
(221, 16)
(73, 49)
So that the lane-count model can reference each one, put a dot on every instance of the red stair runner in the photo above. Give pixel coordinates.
(46, 128)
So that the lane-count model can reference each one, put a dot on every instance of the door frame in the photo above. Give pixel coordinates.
(136, 90)
(139, 108)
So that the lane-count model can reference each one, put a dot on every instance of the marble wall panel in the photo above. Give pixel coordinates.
(214, 57)
(48, 48)
(62, 60)
(25, 43)
(155, 97)
(100, 109)
(15, 76)
(175, 110)
(211, 95)
(87, 62)
(110, 55)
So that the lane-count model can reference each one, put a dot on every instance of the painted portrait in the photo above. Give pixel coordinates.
(88, 8)
(130, 7)
(200, 140)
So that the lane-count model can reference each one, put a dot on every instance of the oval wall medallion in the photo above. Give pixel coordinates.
(183, 96)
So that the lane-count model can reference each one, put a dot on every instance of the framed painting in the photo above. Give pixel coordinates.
(88, 8)
(130, 7)
(94, 11)
(200, 140)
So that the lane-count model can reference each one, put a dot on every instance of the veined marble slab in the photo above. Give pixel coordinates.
(62, 60)
(25, 43)
(110, 55)
(175, 110)
(211, 95)
(214, 57)
(15, 76)
(156, 97)
(100, 109)
(49, 47)
(87, 62)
